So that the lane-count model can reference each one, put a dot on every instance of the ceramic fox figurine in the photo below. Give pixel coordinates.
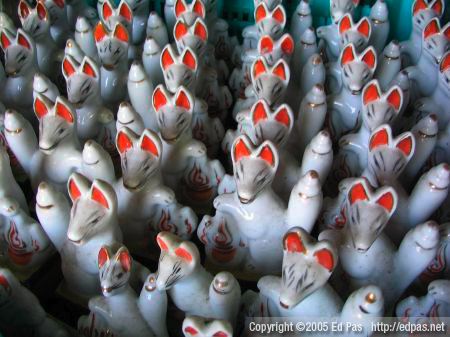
(118, 309)
(20, 310)
(434, 46)
(57, 153)
(59, 28)
(169, 14)
(9, 187)
(44, 86)
(422, 13)
(301, 20)
(186, 167)
(357, 33)
(238, 209)
(84, 37)
(179, 271)
(179, 70)
(200, 327)
(79, 8)
(36, 22)
(369, 257)
(141, 184)
(313, 74)
(151, 56)
(140, 10)
(379, 19)
(273, 50)
(157, 30)
(390, 64)
(356, 71)
(27, 246)
(112, 47)
(20, 67)
(82, 231)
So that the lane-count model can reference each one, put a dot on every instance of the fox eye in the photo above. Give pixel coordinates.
(60, 131)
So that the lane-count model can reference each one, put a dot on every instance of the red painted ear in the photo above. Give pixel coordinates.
(267, 155)
(279, 15)
(241, 150)
(280, 71)
(180, 7)
(348, 54)
(183, 254)
(40, 108)
(24, 9)
(107, 11)
(364, 27)
(406, 145)
(99, 197)
(431, 28)
(180, 29)
(265, 44)
(395, 99)
(446, 31)
(259, 68)
(189, 59)
(64, 112)
(371, 93)
(287, 45)
(125, 11)
(161, 243)
(166, 58)
(283, 117)
(74, 191)
(260, 12)
(183, 100)
(370, 58)
(88, 69)
(68, 67)
(59, 3)
(99, 31)
(191, 331)
(445, 63)
(293, 243)
(345, 23)
(4, 41)
(386, 201)
(41, 11)
(125, 260)
(418, 6)
(259, 112)
(438, 7)
(103, 257)
(23, 40)
(159, 99)
(200, 30)
(123, 142)
(149, 145)
(4, 283)
(378, 139)
(356, 193)
(356, 2)
(121, 33)
(220, 334)
(199, 8)
(325, 258)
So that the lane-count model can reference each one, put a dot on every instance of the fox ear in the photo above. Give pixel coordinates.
(265, 45)
(4, 40)
(432, 28)
(23, 9)
(345, 23)
(364, 27)
(98, 195)
(445, 63)
(419, 5)
(89, 68)
(201, 30)
(240, 149)
(325, 258)
(281, 70)
(369, 57)
(150, 143)
(103, 256)
(40, 107)
(293, 243)
(41, 11)
(379, 138)
(161, 243)
(388, 200)
(68, 67)
(107, 10)
(446, 31)
(371, 92)
(259, 67)
(406, 144)
(438, 7)
(284, 116)
(268, 154)
(199, 8)
(180, 29)
(395, 98)
(121, 33)
(23, 40)
(167, 58)
(184, 100)
(259, 112)
(190, 331)
(76, 186)
(183, 254)
(124, 258)
(125, 11)
(99, 31)
(189, 59)
(63, 110)
(159, 98)
(348, 54)
(260, 12)
(123, 142)
(357, 192)
(287, 44)
(279, 15)
(180, 7)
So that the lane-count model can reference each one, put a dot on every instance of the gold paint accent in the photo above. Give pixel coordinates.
(371, 298)
(17, 131)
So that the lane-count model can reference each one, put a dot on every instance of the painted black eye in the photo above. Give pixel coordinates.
(119, 275)
(60, 131)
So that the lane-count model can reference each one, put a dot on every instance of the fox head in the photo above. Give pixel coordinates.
(307, 266)
(35, 21)
(19, 52)
(423, 12)
(174, 112)
(94, 208)
(179, 70)
(379, 108)
(254, 168)
(435, 40)
(389, 156)
(270, 83)
(6, 290)
(274, 50)
(201, 327)
(194, 36)
(114, 267)
(357, 69)
(268, 124)
(57, 121)
(338, 8)
(356, 33)
(365, 303)
(112, 46)
(57, 11)
(368, 212)
(112, 16)
(269, 3)
(270, 22)
(189, 12)
(140, 156)
(444, 72)
(83, 80)
(178, 259)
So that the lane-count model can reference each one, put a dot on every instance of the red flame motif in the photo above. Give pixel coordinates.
(436, 267)
(165, 223)
(223, 250)
(18, 251)
(198, 185)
